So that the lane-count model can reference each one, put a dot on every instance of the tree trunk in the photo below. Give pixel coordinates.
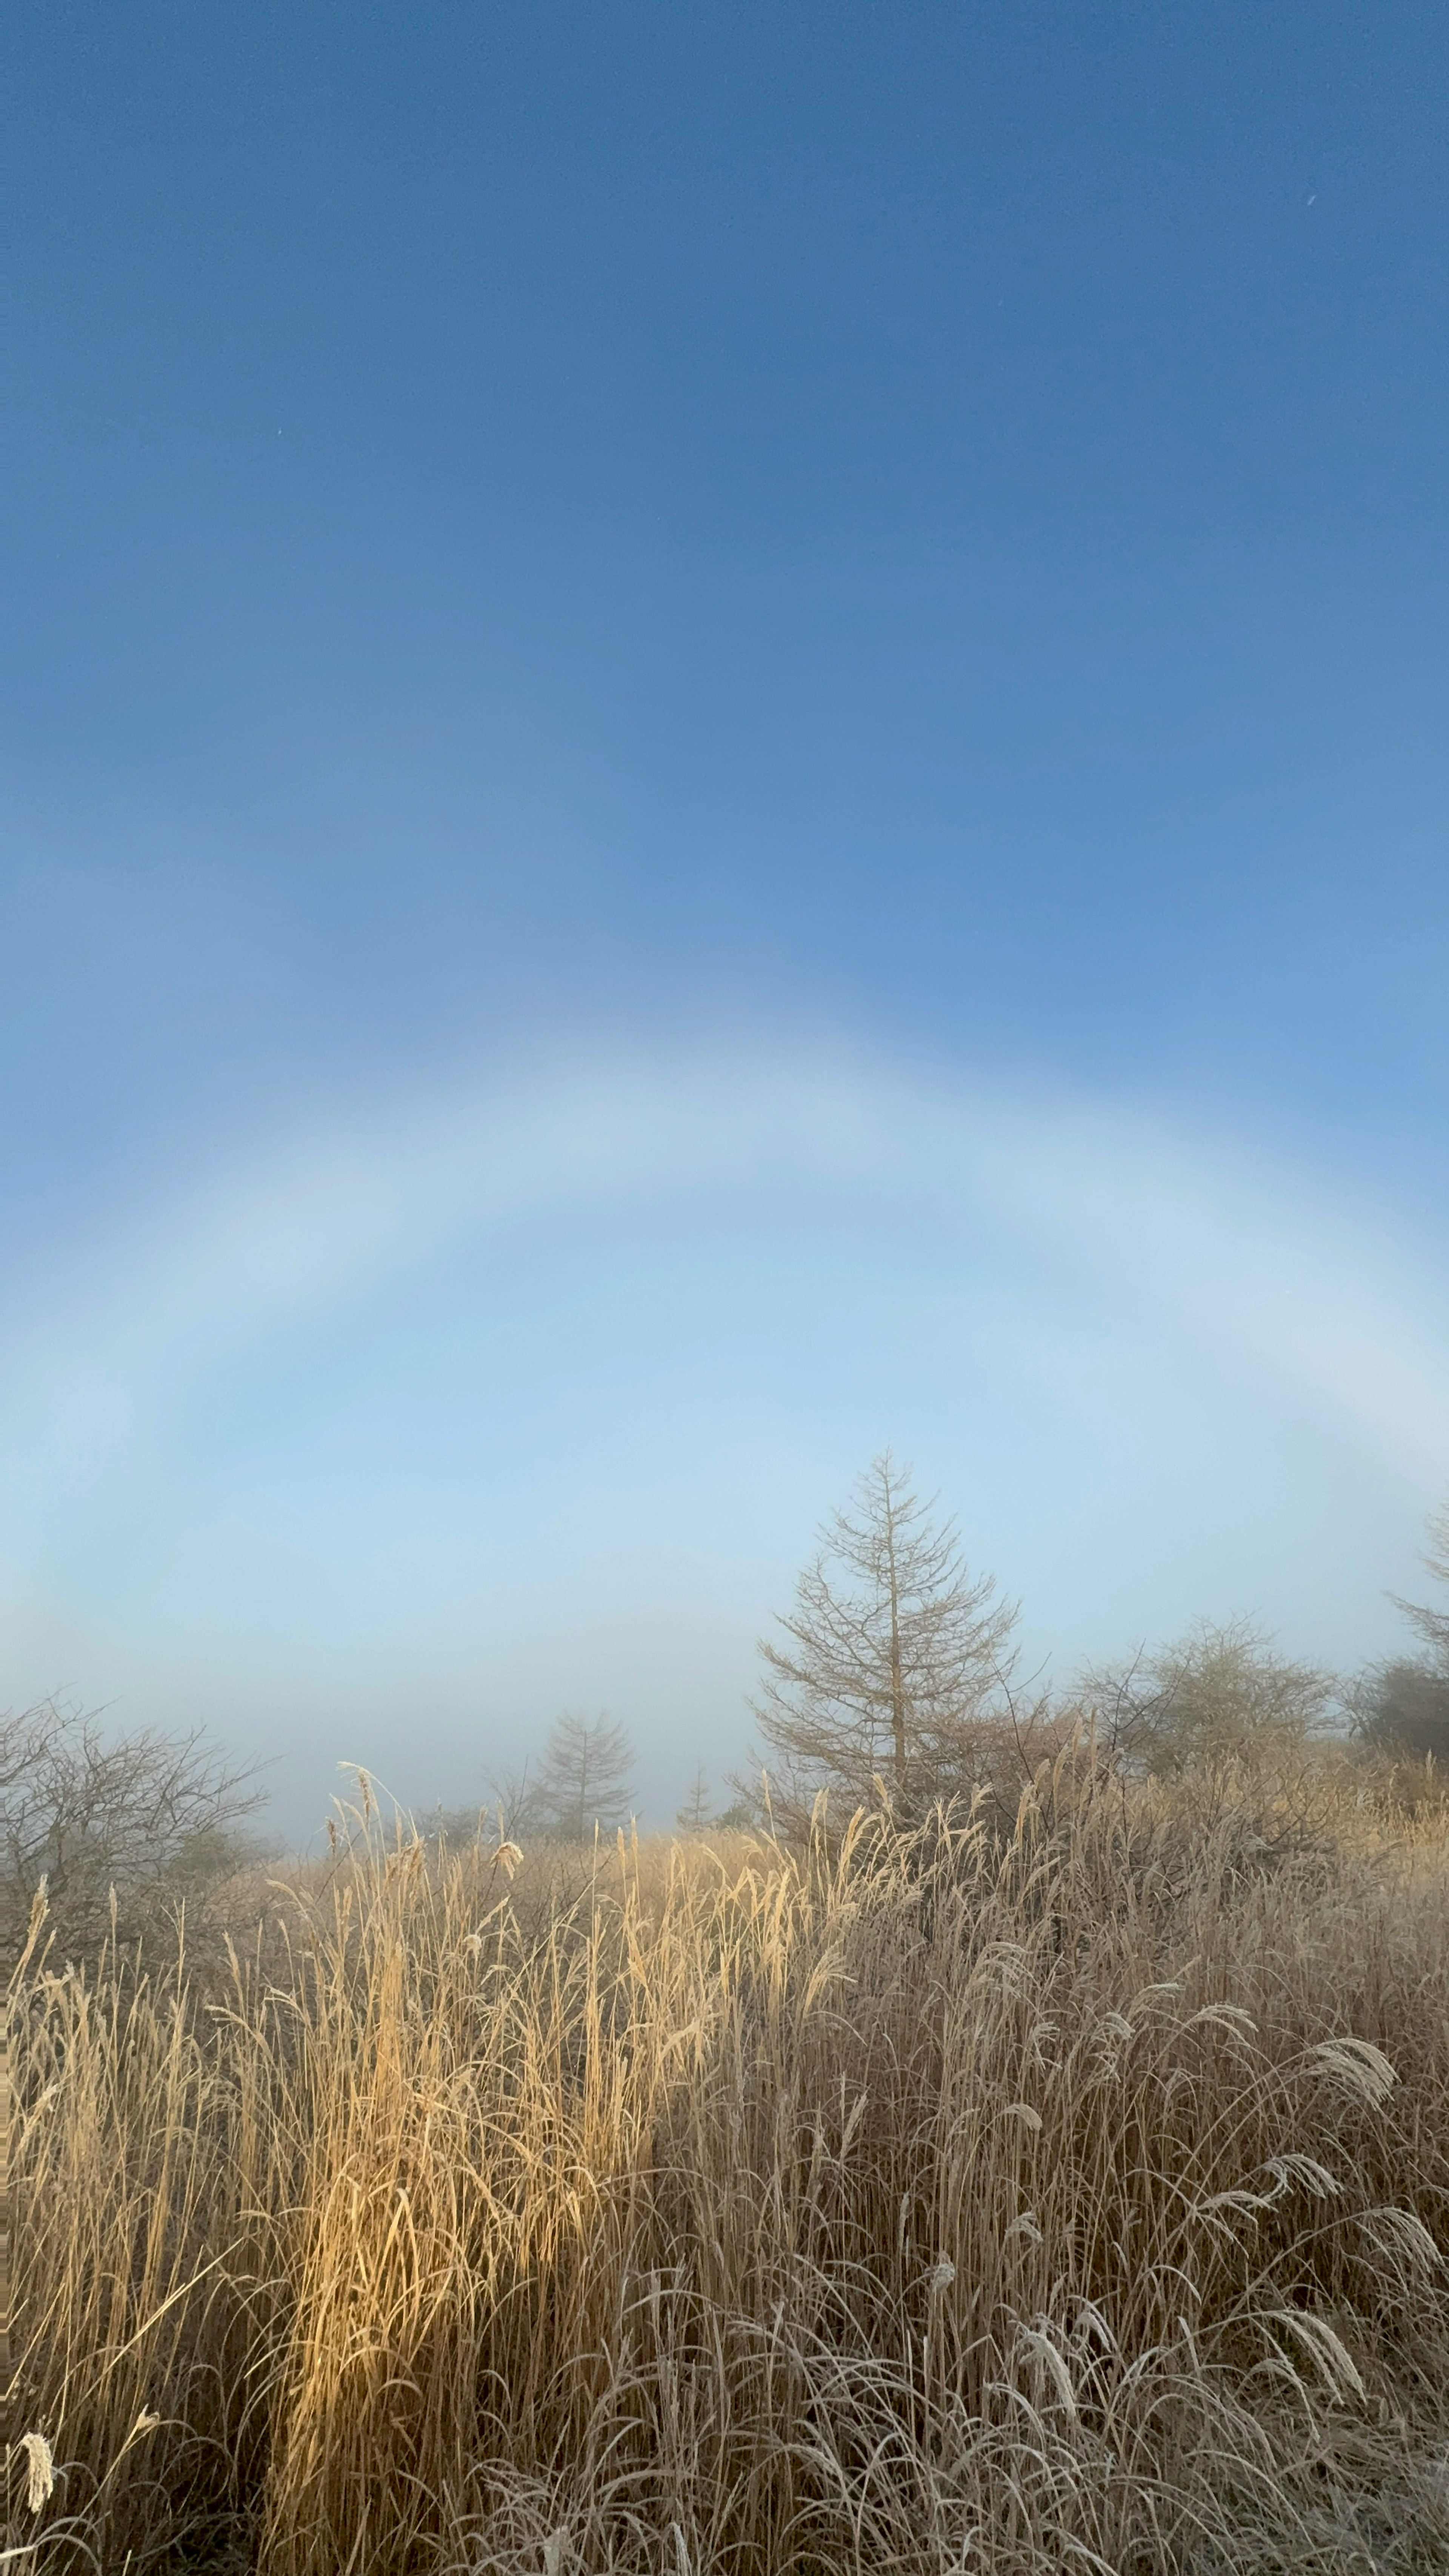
(898, 1693)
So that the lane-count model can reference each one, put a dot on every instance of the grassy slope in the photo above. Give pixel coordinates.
(1072, 2200)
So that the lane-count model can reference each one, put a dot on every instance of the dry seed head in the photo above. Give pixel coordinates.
(1326, 2349)
(1036, 2342)
(39, 2470)
(1229, 2017)
(1306, 2172)
(1364, 2068)
(1400, 2236)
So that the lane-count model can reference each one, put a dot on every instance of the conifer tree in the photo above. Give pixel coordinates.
(891, 1662)
(584, 1779)
(1432, 1625)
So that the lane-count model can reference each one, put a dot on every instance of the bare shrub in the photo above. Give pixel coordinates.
(1401, 1710)
(1220, 1696)
(123, 1829)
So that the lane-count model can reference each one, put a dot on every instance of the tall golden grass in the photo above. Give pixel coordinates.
(1063, 2197)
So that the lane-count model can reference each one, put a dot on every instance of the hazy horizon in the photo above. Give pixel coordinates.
(389, 1440)
(724, 741)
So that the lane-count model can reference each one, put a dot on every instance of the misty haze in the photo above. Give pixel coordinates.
(724, 1321)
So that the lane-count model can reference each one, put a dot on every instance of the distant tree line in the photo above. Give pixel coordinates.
(892, 1682)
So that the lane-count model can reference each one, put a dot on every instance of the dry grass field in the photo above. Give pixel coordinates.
(1068, 2196)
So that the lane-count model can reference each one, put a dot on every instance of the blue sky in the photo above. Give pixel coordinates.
(724, 736)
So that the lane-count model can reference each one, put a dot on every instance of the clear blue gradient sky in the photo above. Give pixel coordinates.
(724, 736)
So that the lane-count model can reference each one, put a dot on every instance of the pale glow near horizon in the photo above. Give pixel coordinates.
(532, 1391)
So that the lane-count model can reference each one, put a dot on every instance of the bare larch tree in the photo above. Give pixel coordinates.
(694, 1816)
(1401, 1706)
(584, 1779)
(891, 1663)
(1432, 1625)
